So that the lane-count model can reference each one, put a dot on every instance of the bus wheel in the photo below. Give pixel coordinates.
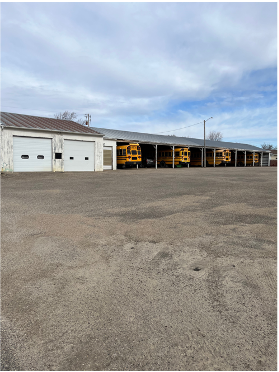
(162, 164)
(123, 166)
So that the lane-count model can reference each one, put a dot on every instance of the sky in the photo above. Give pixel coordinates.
(145, 67)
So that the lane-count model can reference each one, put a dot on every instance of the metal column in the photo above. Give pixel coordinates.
(261, 159)
(156, 157)
(235, 160)
(214, 157)
(253, 159)
(173, 156)
(269, 159)
(244, 158)
(201, 157)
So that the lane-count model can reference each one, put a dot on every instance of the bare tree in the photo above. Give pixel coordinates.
(268, 146)
(72, 116)
(215, 136)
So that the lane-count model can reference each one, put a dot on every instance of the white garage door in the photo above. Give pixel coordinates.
(78, 156)
(32, 154)
(107, 164)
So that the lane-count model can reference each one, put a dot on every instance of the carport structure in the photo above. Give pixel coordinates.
(156, 140)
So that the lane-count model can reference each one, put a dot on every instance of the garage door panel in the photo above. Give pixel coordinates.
(32, 154)
(78, 156)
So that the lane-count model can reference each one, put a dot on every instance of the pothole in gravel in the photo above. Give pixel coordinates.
(197, 269)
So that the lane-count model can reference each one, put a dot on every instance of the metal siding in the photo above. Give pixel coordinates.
(32, 147)
(78, 150)
(107, 157)
(265, 160)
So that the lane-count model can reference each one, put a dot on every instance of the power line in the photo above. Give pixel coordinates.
(182, 127)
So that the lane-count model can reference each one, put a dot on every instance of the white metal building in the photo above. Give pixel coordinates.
(39, 144)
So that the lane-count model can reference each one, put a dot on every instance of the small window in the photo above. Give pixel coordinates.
(40, 157)
(24, 156)
(71, 158)
(177, 153)
(124, 152)
(58, 155)
(134, 152)
(86, 158)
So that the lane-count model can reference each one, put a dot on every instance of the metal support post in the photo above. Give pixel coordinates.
(188, 165)
(155, 156)
(244, 158)
(201, 157)
(253, 159)
(137, 166)
(235, 160)
(269, 159)
(204, 144)
(261, 159)
(214, 163)
(173, 156)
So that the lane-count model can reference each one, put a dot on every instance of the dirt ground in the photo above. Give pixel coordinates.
(173, 269)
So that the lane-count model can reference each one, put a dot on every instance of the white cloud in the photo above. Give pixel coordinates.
(123, 61)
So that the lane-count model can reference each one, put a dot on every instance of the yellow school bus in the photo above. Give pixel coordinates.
(222, 157)
(128, 155)
(181, 157)
(249, 158)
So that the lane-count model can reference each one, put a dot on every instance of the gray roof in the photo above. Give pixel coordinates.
(42, 123)
(171, 140)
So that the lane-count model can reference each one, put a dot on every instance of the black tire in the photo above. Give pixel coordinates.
(123, 166)
(162, 164)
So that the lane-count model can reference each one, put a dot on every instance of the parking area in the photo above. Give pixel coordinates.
(168, 269)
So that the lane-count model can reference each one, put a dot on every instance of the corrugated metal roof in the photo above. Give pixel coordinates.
(37, 122)
(171, 140)
(144, 137)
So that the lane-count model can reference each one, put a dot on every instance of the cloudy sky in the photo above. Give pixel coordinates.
(146, 67)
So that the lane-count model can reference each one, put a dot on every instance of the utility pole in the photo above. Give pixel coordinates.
(88, 119)
(204, 149)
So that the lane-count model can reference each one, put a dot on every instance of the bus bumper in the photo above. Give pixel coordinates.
(131, 163)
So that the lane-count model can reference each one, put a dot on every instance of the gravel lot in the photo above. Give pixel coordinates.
(173, 269)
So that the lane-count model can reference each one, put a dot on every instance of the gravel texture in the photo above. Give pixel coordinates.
(173, 269)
